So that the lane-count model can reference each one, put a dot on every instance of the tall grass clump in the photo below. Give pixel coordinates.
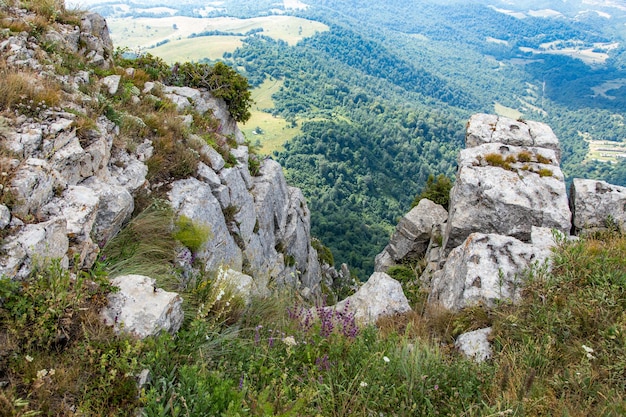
(145, 246)
(562, 350)
(25, 92)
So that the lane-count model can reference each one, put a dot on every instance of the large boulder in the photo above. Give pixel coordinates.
(489, 128)
(142, 309)
(597, 205)
(487, 268)
(79, 206)
(413, 234)
(506, 190)
(115, 207)
(34, 184)
(380, 296)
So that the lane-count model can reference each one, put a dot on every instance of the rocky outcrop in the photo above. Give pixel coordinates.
(142, 309)
(508, 197)
(413, 235)
(597, 205)
(70, 182)
(507, 202)
(506, 190)
(380, 296)
(487, 268)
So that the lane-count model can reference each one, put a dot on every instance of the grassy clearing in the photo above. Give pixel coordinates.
(212, 47)
(271, 132)
(143, 33)
(509, 112)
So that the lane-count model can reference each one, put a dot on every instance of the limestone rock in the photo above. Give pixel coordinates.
(195, 200)
(79, 206)
(72, 162)
(5, 216)
(488, 128)
(486, 268)
(142, 309)
(595, 204)
(491, 199)
(413, 234)
(115, 206)
(475, 345)
(242, 284)
(112, 83)
(33, 185)
(94, 40)
(380, 296)
(34, 243)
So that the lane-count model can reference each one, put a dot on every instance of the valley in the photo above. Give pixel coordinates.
(361, 105)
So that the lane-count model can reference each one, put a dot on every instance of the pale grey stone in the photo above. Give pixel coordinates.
(597, 204)
(475, 345)
(380, 296)
(215, 159)
(111, 83)
(206, 174)
(487, 128)
(195, 200)
(33, 185)
(484, 269)
(493, 200)
(5, 216)
(72, 162)
(142, 309)
(115, 206)
(242, 200)
(414, 232)
(34, 244)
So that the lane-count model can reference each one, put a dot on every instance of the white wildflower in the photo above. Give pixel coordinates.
(363, 384)
(220, 294)
(29, 358)
(588, 351)
(386, 359)
(41, 373)
(290, 341)
(51, 372)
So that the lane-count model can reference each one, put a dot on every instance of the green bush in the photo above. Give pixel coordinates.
(436, 190)
(190, 233)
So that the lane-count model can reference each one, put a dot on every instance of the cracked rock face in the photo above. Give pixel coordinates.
(486, 268)
(597, 205)
(506, 189)
(413, 235)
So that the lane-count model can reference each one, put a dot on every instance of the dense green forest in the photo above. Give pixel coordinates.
(383, 96)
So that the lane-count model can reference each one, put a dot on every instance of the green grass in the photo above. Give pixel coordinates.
(560, 352)
(270, 132)
(212, 47)
(146, 32)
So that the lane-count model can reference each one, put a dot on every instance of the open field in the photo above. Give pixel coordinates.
(212, 47)
(606, 151)
(604, 88)
(144, 33)
(590, 55)
(270, 132)
(509, 112)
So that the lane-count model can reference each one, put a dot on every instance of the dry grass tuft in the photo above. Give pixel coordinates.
(26, 92)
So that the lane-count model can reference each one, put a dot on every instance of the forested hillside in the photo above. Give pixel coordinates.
(382, 96)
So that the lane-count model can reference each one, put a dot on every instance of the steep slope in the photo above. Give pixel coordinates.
(88, 144)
